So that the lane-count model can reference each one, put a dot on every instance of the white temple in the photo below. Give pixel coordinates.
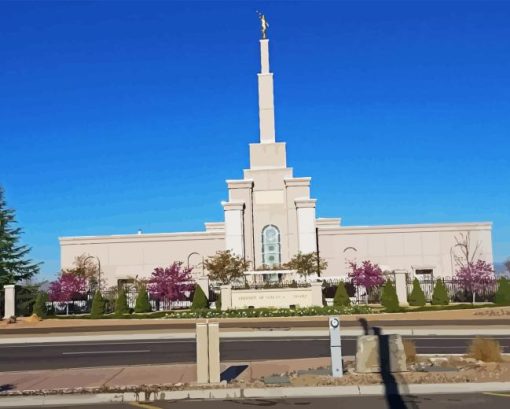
(269, 217)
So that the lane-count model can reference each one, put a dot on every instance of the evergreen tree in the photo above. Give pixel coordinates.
(341, 298)
(440, 294)
(503, 293)
(97, 310)
(121, 304)
(142, 300)
(40, 305)
(417, 297)
(389, 298)
(200, 301)
(14, 262)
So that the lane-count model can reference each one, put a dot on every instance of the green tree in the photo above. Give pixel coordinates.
(306, 264)
(121, 304)
(417, 297)
(40, 304)
(142, 300)
(97, 309)
(503, 293)
(200, 301)
(341, 298)
(389, 298)
(440, 294)
(14, 262)
(226, 267)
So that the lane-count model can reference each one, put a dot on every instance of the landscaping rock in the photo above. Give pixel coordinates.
(276, 380)
(368, 358)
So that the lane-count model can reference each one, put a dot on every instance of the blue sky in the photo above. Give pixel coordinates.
(117, 115)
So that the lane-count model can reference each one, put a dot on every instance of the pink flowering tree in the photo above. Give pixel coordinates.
(366, 275)
(474, 276)
(68, 287)
(170, 283)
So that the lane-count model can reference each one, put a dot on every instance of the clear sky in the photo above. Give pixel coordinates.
(118, 115)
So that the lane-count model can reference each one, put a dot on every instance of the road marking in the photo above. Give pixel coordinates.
(106, 352)
(143, 405)
(504, 395)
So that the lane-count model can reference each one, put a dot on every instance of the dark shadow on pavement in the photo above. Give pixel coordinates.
(232, 372)
(6, 387)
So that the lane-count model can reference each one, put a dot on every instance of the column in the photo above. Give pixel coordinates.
(401, 287)
(307, 236)
(316, 290)
(234, 231)
(266, 102)
(202, 353)
(10, 300)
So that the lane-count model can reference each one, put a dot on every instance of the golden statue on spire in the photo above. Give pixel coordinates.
(263, 24)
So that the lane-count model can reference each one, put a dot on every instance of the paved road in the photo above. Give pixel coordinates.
(258, 324)
(19, 357)
(464, 401)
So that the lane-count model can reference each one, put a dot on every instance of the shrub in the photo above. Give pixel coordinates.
(417, 297)
(503, 293)
(440, 295)
(341, 297)
(200, 301)
(97, 310)
(389, 298)
(121, 304)
(410, 350)
(142, 300)
(40, 305)
(218, 302)
(485, 349)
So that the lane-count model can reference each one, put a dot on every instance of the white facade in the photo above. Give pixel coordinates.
(269, 217)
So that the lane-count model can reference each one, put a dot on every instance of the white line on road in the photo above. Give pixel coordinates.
(106, 352)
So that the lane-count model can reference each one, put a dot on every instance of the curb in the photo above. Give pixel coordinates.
(252, 393)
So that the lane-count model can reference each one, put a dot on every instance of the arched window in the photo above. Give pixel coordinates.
(271, 246)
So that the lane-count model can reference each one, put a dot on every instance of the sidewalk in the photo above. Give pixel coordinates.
(142, 375)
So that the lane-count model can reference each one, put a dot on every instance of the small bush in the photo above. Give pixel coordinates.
(341, 297)
(389, 298)
(440, 295)
(410, 350)
(485, 349)
(200, 301)
(121, 304)
(417, 297)
(40, 305)
(142, 301)
(503, 293)
(97, 310)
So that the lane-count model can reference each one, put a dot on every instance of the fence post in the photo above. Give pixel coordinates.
(202, 353)
(226, 297)
(401, 286)
(9, 300)
(213, 330)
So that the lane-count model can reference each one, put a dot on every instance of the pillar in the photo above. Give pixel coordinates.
(203, 283)
(10, 300)
(234, 231)
(316, 289)
(307, 236)
(226, 297)
(202, 345)
(401, 287)
(214, 352)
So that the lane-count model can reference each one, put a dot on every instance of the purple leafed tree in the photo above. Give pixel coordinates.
(68, 287)
(474, 276)
(367, 275)
(170, 283)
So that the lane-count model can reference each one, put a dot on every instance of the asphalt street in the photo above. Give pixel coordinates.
(19, 357)
(464, 401)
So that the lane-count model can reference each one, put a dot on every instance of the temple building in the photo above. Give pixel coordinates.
(269, 217)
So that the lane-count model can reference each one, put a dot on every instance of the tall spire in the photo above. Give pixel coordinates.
(265, 79)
